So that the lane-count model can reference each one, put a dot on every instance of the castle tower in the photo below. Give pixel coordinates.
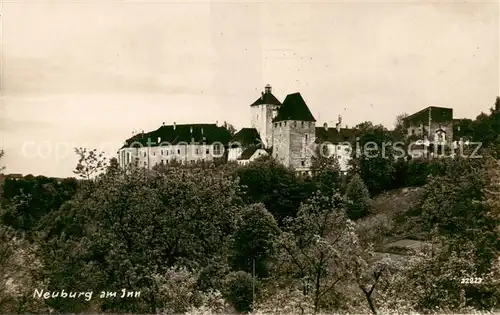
(263, 110)
(294, 133)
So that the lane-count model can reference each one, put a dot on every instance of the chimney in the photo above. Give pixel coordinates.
(191, 129)
(338, 127)
(268, 89)
(325, 125)
(174, 125)
(201, 130)
(217, 123)
(163, 123)
(261, 96)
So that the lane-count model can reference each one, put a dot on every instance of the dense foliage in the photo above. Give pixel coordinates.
(222, 238)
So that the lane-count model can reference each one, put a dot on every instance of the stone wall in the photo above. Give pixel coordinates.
(293, 143)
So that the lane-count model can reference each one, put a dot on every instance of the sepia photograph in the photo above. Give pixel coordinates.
(249, 157)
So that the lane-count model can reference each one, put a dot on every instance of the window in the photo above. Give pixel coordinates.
(325, 152)
(303, 163)
(145, 163)
(197, 151)
(307, 137)
(144, 153)
(178, 151)
(166, 151)
(280, 124)
(284, 123)
(154, 153)
(217, 149)
(161, 152)
(162, 162)
(295, 124)
(302, 124)
(208, 151)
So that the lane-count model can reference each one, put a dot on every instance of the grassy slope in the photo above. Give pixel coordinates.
(392, 214)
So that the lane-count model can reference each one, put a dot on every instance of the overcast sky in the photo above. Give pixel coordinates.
(76, 73)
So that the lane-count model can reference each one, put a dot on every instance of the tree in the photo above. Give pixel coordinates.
(239, 290)
(455, 204)
(27, 200)
(326, 172)
(18, 262)
(277, 187)
(462, 218)
(400, 127)
(254, 240)
(230, 128)
(2, 153)
(113, 168)
(373, 159)
(129, 228)
(90, 163)
(373, 275)
(318, 249)
(432, 281)
(357, 199)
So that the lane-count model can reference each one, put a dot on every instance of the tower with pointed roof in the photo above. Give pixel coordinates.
(294, 132)
(263, 110)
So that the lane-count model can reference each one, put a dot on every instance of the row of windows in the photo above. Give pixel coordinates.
(181, 162)
(217, 150)
(309, 124)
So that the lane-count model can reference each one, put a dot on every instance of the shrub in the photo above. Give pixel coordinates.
(239, 290)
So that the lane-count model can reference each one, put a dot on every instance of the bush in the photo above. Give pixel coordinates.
(357, 199)
(239, 290)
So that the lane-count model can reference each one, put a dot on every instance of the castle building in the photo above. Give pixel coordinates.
(288, 132)
(285, 130)
(185, 144)
(434, 130)
(433, 123)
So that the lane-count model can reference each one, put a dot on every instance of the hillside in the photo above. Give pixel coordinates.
(392, 216)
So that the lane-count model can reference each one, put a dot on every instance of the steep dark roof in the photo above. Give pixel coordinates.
(333, 136)
(294, 108)
(438, 114)
(199, 133)
(266, 98)
(247, 137)
(247, 153)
